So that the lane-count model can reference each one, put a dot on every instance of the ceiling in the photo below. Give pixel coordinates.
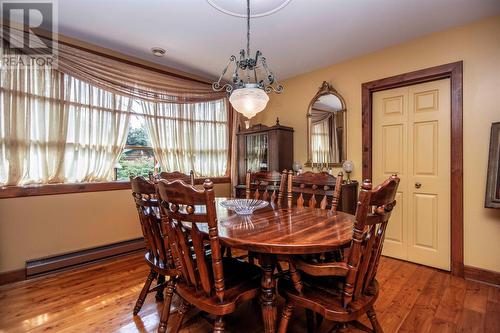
(303, 36)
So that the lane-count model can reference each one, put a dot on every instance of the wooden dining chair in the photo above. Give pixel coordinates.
(208, 281)
(344, 291)
(314, 190)
(266, 185)
(170, 176)
(157, 254)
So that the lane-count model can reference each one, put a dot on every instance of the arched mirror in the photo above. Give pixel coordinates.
(326, 129)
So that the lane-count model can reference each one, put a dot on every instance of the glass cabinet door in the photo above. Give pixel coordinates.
(256, 152)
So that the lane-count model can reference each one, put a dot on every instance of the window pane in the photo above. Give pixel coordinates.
(136, 161)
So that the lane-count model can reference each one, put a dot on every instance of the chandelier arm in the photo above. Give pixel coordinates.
(269, 74)
(216, 85)
(236, 77)
(278, 89)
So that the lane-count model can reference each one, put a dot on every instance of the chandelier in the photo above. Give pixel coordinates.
(251, 80)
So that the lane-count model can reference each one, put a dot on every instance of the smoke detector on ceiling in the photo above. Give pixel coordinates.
(158, 51)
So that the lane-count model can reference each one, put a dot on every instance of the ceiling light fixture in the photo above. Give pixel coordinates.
(263, 8)
(158, 51)
(248, 93)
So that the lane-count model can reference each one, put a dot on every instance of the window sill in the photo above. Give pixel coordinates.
(51, 189)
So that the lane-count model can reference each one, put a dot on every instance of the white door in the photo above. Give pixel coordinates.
(411, 137)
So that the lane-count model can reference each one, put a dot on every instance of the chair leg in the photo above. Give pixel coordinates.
(159, 292)
(219, 324)
(144, 292)
(310, 321)
(165, 312)
(182, 311)
(251, 258)
(285, 317)
(373, 320)
(319, 320)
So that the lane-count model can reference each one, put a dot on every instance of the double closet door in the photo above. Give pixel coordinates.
(411, 137)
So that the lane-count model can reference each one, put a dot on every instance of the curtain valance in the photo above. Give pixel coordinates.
(123, 78)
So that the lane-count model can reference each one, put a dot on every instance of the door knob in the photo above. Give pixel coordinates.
(418, 185)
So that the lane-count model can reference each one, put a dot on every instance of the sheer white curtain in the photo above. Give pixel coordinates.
(97, 130)
(32, 126)
(189, 136)
(321, 142)
(54, 128)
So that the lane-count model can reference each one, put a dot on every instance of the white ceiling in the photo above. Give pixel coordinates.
(304, 35)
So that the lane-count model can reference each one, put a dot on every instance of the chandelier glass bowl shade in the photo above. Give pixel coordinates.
(249, 100)
(251, 79)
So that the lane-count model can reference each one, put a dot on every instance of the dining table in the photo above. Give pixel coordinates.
(276, 230)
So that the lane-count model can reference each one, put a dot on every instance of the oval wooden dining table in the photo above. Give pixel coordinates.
(273, 230)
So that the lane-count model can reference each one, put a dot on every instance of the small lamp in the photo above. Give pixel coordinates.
(297, 167)
(348, 166)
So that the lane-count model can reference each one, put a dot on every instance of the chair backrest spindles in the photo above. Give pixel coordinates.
(314, 190)
(182, 206)
(266, 185)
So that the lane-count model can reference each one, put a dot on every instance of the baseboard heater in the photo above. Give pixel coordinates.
(41, 266)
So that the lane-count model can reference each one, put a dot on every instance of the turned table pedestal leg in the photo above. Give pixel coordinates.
(268, 293)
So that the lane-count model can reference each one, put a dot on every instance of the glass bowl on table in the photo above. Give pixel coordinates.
(244, 206)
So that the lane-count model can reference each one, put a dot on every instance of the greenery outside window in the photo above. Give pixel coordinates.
(137, 158)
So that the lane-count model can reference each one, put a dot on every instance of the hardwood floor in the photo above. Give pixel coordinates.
(100, 298)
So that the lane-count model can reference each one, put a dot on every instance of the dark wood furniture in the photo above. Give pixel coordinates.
(321, 190)
(314, 190)
(266, 185)
(157, 255)
(170, 176)
(208, 281)
(347, 200)
(175, 175)
(492, 199)
(343, 291)
(273, 231)
(263, 148)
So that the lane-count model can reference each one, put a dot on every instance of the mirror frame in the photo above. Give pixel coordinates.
(326, 89)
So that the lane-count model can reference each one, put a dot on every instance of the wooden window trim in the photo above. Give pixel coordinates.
(51, 189)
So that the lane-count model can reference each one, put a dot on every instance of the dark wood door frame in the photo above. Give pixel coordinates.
(453, 71)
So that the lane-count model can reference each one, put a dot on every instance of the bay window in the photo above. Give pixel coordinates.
(55, 128)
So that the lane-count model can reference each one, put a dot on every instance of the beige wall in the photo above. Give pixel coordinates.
(34, 227)
(478, 45)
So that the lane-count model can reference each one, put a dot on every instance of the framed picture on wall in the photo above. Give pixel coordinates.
(493, 178)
